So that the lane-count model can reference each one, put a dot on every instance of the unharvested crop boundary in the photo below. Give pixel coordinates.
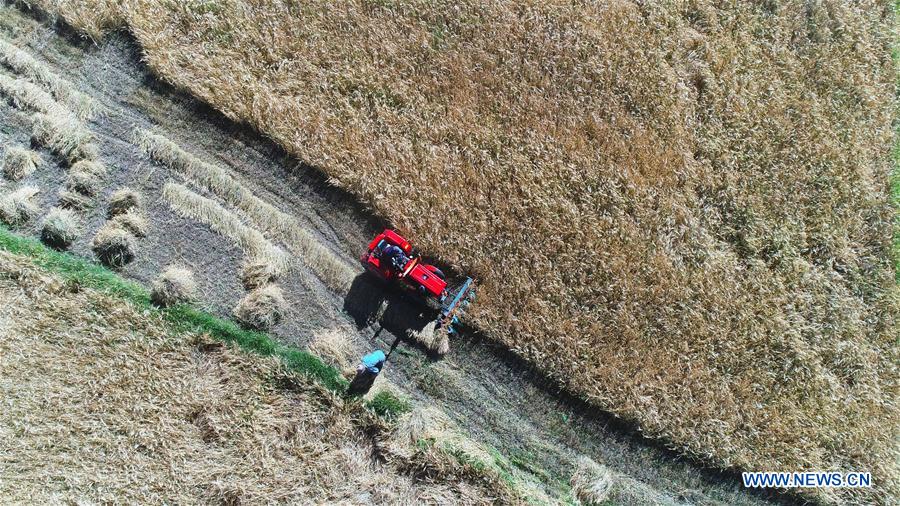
(629, 428)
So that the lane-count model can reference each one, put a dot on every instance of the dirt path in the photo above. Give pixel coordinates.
(490, 393)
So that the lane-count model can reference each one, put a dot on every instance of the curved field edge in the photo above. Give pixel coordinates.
(731, 370)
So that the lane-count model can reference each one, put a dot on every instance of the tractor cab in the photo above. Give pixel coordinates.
(391, 258)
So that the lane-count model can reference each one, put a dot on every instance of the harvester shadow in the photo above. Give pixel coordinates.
(364, 300)
(371, 302)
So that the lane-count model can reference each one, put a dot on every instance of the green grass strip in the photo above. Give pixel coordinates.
(72, 268)
(388, 405)
(184, 318)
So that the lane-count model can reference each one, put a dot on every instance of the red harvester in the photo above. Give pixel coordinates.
(391, 258)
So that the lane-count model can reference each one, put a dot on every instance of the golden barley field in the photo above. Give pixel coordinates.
(678, 209)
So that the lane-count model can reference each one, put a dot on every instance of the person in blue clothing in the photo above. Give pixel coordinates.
(366, 372)
(373, 362)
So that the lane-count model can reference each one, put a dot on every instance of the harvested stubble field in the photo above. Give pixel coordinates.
(679, 210)
(105, 403)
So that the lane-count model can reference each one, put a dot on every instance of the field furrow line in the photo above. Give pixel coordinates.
(334, 272)
(19, 61)
(191, 205)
